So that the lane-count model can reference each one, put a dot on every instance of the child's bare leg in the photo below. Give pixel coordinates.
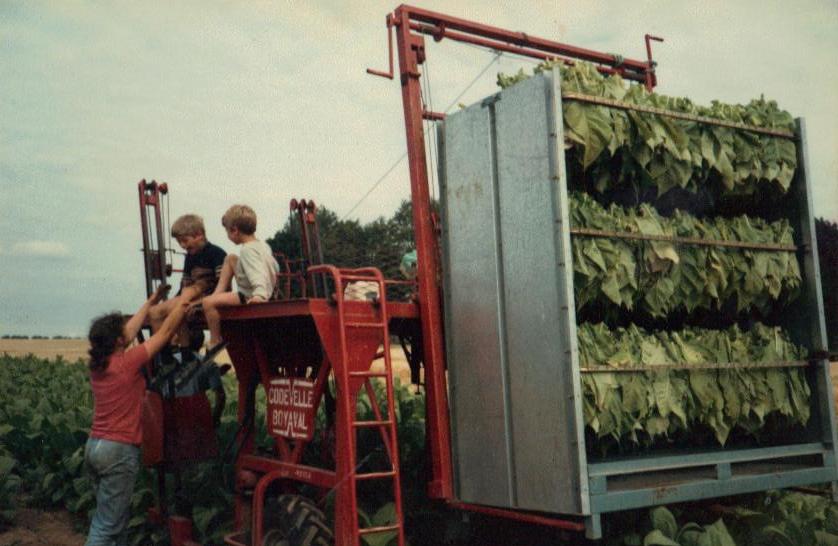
(213, 317)
(225, 279)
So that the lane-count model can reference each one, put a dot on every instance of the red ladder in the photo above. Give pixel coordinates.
(347, 528)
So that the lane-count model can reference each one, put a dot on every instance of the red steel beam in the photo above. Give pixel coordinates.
(410, 24)
(523, 39)
(566, 524)
(318, 477)
(410, 50)
(442, 32)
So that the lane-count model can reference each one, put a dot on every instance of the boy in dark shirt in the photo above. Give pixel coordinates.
(201, 267)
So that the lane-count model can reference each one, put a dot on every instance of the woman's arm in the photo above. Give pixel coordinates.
(170, 326)
(133, 325)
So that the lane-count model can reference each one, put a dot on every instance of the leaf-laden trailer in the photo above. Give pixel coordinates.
(493, 323)
(511, 329)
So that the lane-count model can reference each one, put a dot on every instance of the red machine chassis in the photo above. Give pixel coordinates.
(326, 336)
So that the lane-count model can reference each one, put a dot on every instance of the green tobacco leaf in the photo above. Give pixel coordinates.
(657, 538)
(822, 538)
(384, 516)
(661, 278)
(669, 153)
(664, 521)
(640, 407)
(831, 519)
(716, 535)
(6, 464)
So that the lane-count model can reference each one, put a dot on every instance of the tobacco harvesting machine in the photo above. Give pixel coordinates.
(618, 307)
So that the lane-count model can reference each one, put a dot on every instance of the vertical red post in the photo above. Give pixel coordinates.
(409, 47)
(154, 260)
(160, 189)
(141, 186)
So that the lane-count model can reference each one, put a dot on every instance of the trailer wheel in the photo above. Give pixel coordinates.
(293, 520)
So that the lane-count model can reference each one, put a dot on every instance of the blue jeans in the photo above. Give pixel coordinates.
(113, 468)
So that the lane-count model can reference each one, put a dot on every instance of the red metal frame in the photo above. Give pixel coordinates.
(410, 24)
(332, 336)
(281, 339)
(154, 259)
(567, 525)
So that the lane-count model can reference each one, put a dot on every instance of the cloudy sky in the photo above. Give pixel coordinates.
(259, 102)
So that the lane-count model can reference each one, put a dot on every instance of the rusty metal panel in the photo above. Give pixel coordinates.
(510, 325)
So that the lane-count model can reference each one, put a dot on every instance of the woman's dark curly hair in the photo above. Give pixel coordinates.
(105, 331)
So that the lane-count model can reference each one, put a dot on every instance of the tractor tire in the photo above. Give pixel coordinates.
(293, 520)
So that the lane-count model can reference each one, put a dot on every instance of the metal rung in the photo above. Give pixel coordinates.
(375, 475)
(365, 325)
(236, 539)
(372, 423)
(381, 529)
(368, 374)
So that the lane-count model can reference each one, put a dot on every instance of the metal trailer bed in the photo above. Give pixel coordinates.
(510, 319)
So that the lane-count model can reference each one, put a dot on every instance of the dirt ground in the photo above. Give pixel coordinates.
(38, 528)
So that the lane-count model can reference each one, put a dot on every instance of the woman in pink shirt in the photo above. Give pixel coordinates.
(112, 451)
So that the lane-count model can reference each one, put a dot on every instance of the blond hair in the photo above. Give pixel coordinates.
(240, 217)
(188, 225)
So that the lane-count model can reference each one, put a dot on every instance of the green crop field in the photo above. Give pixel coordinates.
(45, 417)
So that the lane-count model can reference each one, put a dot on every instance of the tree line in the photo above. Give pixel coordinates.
(18, 336)
(348, 243)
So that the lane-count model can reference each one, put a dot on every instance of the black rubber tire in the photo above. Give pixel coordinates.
(293, 520)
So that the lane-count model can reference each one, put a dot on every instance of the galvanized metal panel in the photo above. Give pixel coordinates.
(536, 311)
(473, 311)
(510, 328)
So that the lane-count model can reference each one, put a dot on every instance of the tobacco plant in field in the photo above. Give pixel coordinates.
(776, 518)
(9, 485)
(45, 419)
(44, 422)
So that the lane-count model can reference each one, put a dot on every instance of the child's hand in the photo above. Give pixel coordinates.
(256, 299)
(160, 293)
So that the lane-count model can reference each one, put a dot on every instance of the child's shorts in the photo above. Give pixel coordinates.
(202, 278)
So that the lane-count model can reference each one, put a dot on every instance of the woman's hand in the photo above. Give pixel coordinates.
(133, 325)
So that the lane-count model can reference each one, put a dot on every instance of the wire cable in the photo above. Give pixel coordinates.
(473, 81)
(375, 185)
(517, 56)
(429, 130)
(167, 225)
(404, 154)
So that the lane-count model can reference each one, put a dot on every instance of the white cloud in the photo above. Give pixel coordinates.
(47, 249)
